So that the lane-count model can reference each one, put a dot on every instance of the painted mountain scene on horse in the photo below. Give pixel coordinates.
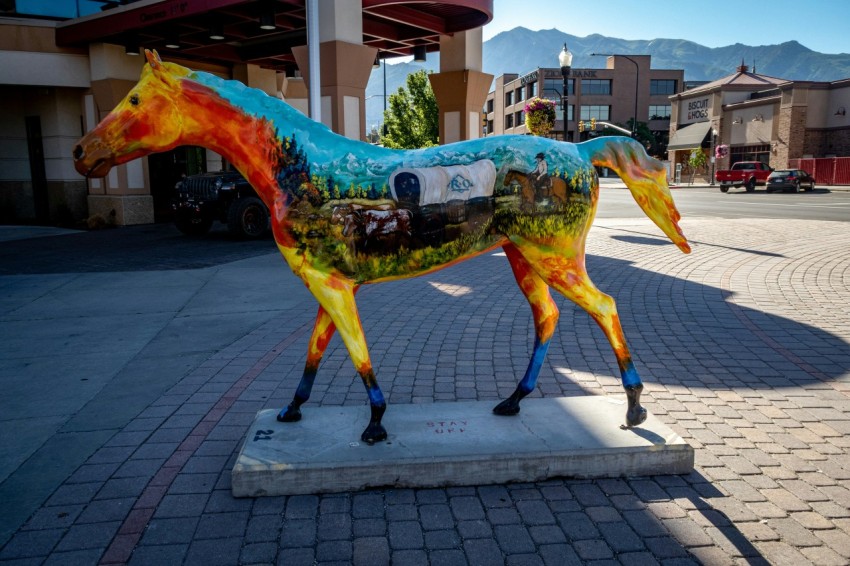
(346, 213)
(419, 213)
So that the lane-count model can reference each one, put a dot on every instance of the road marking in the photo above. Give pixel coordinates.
(798, 205)
(831, 204)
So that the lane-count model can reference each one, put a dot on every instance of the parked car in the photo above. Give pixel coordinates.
(224, 196)
(743, 174)
(790, 180)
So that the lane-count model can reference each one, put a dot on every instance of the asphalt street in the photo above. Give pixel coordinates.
(824, 203)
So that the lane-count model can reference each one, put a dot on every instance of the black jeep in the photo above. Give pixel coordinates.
(224, 196)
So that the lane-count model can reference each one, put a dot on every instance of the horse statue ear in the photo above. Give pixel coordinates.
(153, 58)
(158, 67)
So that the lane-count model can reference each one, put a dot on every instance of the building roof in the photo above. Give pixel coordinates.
(394, 27)
(741, 78)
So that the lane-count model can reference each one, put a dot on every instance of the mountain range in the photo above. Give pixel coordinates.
(501, 55)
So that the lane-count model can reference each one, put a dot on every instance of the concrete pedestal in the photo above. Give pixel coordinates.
(453, 444)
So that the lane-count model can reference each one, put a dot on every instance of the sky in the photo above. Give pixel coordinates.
(820, 25)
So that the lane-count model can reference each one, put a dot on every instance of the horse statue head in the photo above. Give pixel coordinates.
(147, 120)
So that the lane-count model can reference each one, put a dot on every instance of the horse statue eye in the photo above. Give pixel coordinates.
(134, 100)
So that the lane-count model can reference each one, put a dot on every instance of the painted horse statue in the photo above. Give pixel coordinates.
(451, 202)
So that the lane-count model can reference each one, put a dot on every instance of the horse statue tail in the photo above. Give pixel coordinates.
(645, 177)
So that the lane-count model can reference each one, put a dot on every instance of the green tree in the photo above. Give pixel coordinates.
(645, 136)
(655, 143)
(696, 160)
(412, 119)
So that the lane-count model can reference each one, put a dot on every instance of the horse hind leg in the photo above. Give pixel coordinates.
(568, 276)
(323, 331)
(545, 314)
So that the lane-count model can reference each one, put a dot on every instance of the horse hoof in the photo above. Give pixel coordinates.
(375, 432)
(635, 416)
(507, 408)
(289, 415)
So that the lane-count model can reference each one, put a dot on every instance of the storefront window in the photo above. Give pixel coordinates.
(552, 88)
(596, 86)
(595, 111)
(659, 111)
(750, 153)
(559, 113)
(662, 86)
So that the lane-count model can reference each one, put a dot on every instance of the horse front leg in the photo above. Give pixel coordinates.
(545, 314)
(323, 331)
(336, 296)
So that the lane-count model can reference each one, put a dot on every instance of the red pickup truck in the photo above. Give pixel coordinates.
(743, 174)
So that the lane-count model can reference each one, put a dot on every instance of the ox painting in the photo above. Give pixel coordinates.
(346, 213)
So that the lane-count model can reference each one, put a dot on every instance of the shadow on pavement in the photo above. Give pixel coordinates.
(151, 247)
(649, 241)
(680, 332)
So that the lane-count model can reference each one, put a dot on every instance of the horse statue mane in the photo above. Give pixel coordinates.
(346, 213)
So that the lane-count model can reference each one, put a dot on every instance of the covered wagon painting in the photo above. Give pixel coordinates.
(445, 201)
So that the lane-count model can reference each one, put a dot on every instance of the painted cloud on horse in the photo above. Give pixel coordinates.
(346, 213)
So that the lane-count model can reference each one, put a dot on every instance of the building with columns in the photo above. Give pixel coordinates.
(67, 63)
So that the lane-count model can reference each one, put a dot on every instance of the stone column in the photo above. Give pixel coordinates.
(791, 130)
(123, 197)
(345, 66)
(460, 86)
(255, 76)
(294, 92)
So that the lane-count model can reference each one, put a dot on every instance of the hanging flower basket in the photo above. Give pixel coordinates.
(721, 151)
(539, 115)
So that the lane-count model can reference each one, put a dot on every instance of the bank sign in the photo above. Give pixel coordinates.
(694, 110)
(556, 74)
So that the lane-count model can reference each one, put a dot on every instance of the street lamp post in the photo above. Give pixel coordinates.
(637, 84)
(385, 86)
(712, 156)
(376, 65)
(565, 58)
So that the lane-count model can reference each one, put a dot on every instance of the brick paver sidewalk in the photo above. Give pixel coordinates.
(744, 347)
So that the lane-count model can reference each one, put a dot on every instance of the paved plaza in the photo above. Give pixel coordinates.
(134, 360)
